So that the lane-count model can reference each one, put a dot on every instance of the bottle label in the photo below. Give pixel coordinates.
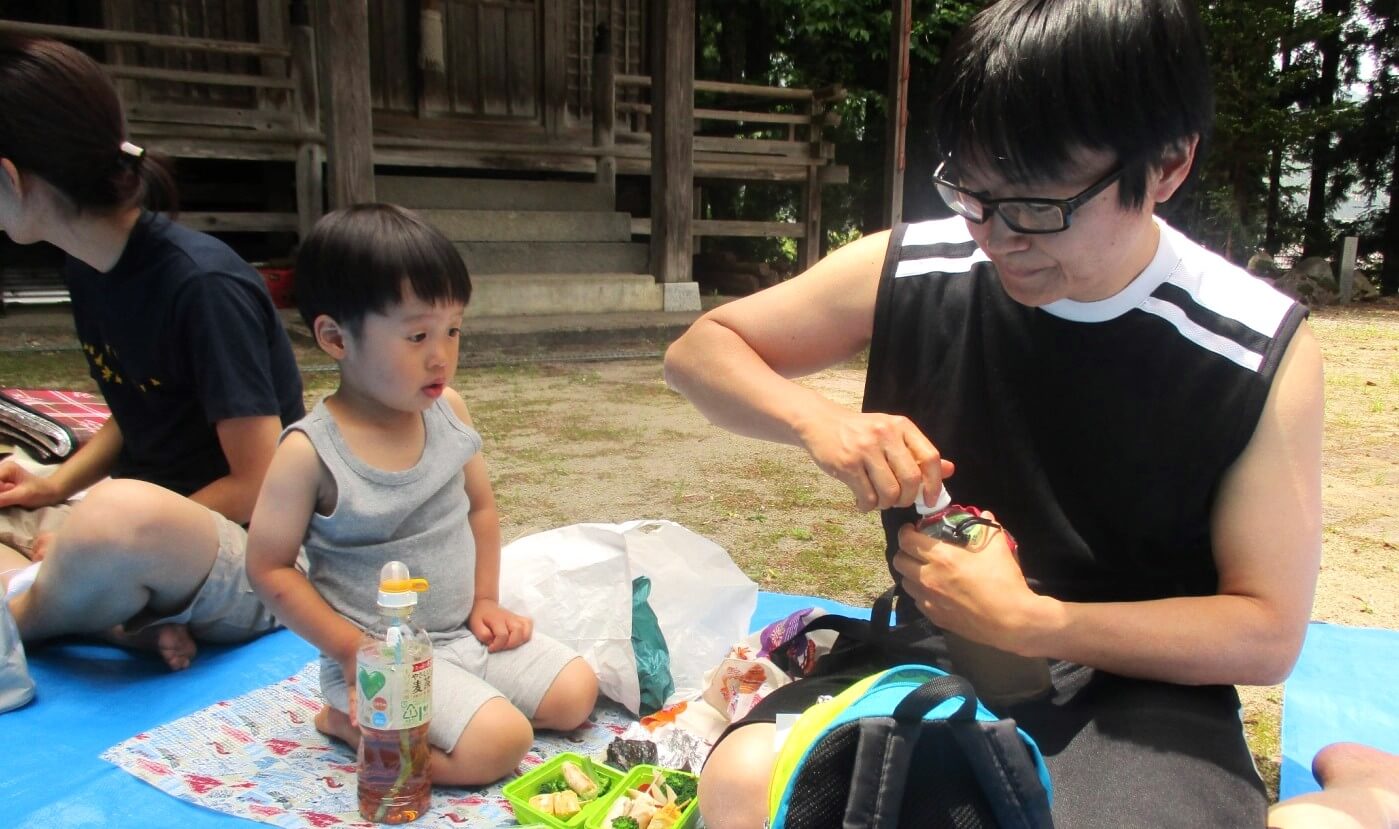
(393, 695)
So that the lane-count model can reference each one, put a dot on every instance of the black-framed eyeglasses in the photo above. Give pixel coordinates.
(1022, 215)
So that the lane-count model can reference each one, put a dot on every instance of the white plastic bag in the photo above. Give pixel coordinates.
(575, 582)
(16, 686)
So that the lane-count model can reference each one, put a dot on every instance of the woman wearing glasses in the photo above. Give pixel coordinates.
(1144, 417)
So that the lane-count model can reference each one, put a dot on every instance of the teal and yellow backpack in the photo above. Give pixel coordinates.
(908, 747)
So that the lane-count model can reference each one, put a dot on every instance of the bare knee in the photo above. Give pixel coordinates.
(733, 788)
(570, 699)
(115, 517)
(490, 747)
(100, 522)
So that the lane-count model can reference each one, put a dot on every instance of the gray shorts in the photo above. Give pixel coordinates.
(466, 677)
(224, 609)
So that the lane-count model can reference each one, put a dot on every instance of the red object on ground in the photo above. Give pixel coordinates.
(80, 411)
(280, 284)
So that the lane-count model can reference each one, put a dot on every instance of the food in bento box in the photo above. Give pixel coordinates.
(652, 805)
(558, 804)
(579, 781)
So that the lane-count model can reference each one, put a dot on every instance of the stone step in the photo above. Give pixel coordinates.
(451, 193)
(531, 225)
(525, 294)
(555, 257)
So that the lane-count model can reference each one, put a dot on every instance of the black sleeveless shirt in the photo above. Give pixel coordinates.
(1097, 432)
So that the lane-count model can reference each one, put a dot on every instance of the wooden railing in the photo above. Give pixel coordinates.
(798, 154)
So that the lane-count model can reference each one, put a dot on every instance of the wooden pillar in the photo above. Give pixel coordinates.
(343, 38)
(895, 161)
(672, 138)
(605, 110)
(555, 65)
(432, 59)
(811, 192)
(310, 155)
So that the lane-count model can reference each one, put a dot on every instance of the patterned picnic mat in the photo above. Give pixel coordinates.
(258, 756)
(80, 411)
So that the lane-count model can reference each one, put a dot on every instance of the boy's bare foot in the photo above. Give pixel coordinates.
(1360, 790)
(337, 724)
(172, 642)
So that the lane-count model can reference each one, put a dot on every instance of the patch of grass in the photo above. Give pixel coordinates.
(1263, 730)
(46, 369)
(576, 432)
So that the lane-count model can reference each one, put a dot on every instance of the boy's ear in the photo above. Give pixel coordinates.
(330, 336)
(1174, 170)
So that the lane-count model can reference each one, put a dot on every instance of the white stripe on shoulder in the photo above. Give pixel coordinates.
(1201, 336)
(1226, 289)
(951, 231)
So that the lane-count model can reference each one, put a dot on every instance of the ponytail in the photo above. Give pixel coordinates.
(61, 119)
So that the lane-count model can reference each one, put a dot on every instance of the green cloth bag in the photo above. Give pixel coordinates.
(648, 643)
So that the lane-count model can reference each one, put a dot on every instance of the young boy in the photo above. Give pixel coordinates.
(389, 467)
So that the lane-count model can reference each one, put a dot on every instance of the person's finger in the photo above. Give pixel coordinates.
(517, 634)
(904, 466)
(859, 484)
(43, 542)
(883, 481)
(500, 636)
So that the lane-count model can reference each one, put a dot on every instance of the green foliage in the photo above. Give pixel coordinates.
(1252, 186)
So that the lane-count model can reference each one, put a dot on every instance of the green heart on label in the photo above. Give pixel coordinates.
(371, 683)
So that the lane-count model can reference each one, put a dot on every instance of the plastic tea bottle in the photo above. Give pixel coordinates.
(393, 682)
(999, 677)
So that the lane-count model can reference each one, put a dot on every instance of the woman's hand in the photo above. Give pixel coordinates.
(21, 488)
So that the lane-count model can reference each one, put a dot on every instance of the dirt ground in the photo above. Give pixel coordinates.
(609, 442)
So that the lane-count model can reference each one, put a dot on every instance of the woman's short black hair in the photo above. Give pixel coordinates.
(356, 260)
(1029, 82)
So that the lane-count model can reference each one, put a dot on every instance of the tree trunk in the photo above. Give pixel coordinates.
(1271, 241)
(1389, 242)
(1317, 239)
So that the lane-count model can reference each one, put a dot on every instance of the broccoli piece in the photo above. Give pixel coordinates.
(555, 785)
(625, 823)
(603, 784)
(683, 785)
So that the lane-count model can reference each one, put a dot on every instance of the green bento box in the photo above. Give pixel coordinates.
(635, 778)
(529, 784)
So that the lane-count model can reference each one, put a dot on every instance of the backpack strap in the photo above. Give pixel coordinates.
(885, 747)
(1010, 774)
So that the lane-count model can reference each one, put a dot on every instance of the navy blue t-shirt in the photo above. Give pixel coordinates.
(179, 335)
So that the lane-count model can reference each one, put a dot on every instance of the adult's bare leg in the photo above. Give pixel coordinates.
(1360, 790)
(128, 546)
(733, 788)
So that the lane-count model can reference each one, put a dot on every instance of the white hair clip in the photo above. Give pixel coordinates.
(132, 150)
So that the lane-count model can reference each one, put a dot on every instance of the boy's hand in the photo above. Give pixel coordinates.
(497, 628)
(352, 684)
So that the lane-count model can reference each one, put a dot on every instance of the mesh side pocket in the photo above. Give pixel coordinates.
(817, 799)
(942, 791)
